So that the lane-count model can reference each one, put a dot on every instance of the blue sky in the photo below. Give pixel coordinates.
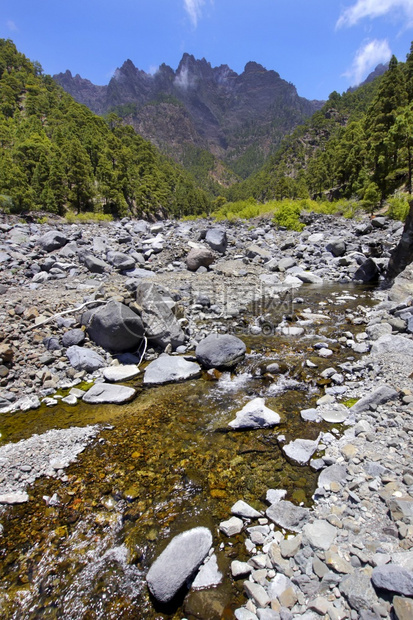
(318, 45)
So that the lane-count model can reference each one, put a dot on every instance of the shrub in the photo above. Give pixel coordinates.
(399, 206)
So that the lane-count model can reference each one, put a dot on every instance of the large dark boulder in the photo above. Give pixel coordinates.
(220, 351)
(114, 327)
(216, 238)
(160, 323)
(121, 261)
(402, 255)
(52, 240)
(367, 272)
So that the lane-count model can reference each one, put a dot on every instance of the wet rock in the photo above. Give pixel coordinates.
(102, 393)
(287, 515)
(52, 240)
(242, 509)
(335, 413)
(84, 359)
(114, 327)
(301, 450)
(161, 326)
(393, 578)
(178, 563)
(220, 351)
(231, 527)
(240, 569)
(209, 574)
(169, 369)
(199, 257)
(216, 238)
(255, 415)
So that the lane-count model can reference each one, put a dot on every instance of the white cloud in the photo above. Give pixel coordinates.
(194, 9)
(11, 25)
(376, 8)
(367, 58)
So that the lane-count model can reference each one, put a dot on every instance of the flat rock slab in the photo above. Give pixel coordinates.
(335, 413)
(301, 450)
(178, 562)
(19, 497)
(393, 578)
(169, 369)
(255, 415)
(209, 575)
(320, 534)
(287, 515)
(220, 351)
(392, 344)
(120, 373)
(380, 396)
(102, 393)
(333, 473)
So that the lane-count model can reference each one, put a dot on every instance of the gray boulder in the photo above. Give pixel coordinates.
(95, 265)
(102, 393)
(287, 515)
(121, 261)
(301, 450)
(367, 272)
(393, 578)
(358, 590)
(84, 359)
(336, 246)
(216, 238)
(333, 473)
(161, 325)
(52, 240)
(220, 351)
(123, 372)
(199, 257)
(114, 327)
(255, 415)
(392, 344)
(178, 563)
(380, 396)
(168, 369)
(73, 336)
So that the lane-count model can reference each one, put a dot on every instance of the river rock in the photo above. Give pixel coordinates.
(209, 574)
(287, 515)
(161, 326)
(392, 344)
(255, 415)
(216, 238)
(337, 246)
(52, 240)
(232, 526)
(320, 534)
(199, 257)
(95, 265)
(18, 497)
(393, 578)
(367, 272)
(178, 563)
(121, 261)
(169, 369)
(242, 509)
(358, 591)
(220, 351)
(121, 372)
(333, 473)
(102, 393)
(335, 413)
(380, 396)
(240, 569)
(114, 327)
(301, 450)
(84, 359)
(73, 336)
(403, 608)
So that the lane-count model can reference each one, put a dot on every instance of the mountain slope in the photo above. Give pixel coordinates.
(56, 154)
(240, 119)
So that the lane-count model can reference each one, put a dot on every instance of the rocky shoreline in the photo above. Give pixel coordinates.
(349, 555)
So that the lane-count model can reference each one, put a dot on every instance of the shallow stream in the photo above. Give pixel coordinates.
(163, 464)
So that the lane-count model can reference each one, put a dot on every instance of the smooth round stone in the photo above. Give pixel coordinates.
(102, 393)
(335, 414)
(120, 373)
